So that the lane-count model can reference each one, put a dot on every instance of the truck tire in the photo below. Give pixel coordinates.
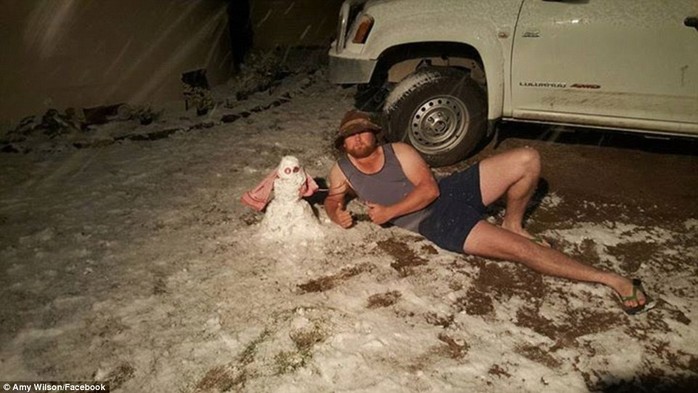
(440, 111)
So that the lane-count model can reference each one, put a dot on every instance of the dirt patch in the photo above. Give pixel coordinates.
(306, 339)
(498, 371)
(655, 323)
(385, 299)
(232, 375)
(11, 322)
(577, 323)
(405, 259)
(581, 322)
(429, 249)
(328, 282)
(439, 320)
(619, 170)
(159, 286)
(677, 315)
(585, 251)
(251, 218)
(632, 254)
(529, 317)
(119, 375)
(678, 360)
(222, 378)
(693, 364)
(457, 349)
(679, 263)
(455, 285)
(105, 327)
(505, 280)
(539, 355)
(475, 302)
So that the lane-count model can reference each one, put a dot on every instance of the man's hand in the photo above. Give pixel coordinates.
(343, 218)
(334, 203)
(379, 214)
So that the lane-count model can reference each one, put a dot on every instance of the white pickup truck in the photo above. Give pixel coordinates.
(455, 67)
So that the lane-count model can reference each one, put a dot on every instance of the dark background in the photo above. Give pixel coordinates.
(60, 54)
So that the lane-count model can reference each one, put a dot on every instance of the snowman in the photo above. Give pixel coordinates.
(288, 217)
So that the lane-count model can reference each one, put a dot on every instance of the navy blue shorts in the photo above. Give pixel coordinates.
(456, 211)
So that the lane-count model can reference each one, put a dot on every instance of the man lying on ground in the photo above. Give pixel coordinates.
(398, 187)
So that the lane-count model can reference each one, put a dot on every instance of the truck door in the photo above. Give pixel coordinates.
(620, 63)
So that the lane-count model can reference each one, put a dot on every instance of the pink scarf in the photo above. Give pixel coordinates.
(258, 197)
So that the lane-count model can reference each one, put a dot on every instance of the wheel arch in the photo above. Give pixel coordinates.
(398, 61)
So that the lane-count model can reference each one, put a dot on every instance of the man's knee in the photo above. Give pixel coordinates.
(529, 159)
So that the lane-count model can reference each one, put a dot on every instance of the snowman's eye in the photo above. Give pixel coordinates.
(287, 171)
(296, 169)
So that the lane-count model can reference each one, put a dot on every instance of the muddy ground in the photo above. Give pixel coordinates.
(656, 176)
(132, 262)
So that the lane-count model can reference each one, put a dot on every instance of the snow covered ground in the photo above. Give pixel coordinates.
(133, 262)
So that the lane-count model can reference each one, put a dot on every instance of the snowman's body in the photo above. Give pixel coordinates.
(288, 217)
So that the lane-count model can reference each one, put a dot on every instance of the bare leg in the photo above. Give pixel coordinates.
(490, 241)
(514, 173)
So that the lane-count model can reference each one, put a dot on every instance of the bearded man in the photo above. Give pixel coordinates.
(398, 188)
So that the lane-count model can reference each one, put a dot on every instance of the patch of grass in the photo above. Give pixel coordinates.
(577, 323)
(119, 375)
(498, 371)
(304, 340)
(383, 299)
(159, 286)
(247, 355)
(232, 375)
(539, 355)
(222, 378)
(429, 249)
(504, 280)
(288, 361)
(456, 349)
(251, 218)
(438, 320)
(455, 285)
(632, 254)
(475, 302)
(328, 282)
(405, 259)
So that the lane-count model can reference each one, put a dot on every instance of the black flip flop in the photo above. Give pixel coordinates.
(640, 308)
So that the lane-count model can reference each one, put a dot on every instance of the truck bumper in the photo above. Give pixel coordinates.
(349, 71)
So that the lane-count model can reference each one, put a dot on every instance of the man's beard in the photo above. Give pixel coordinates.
(362, 151)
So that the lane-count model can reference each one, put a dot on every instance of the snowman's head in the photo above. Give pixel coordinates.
(290, 168)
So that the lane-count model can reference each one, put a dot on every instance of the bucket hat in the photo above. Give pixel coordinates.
(355, 122)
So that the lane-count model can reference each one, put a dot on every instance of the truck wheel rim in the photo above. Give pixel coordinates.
(438, 124)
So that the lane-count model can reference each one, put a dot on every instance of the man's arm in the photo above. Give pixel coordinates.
(334, 203)
(425, 191)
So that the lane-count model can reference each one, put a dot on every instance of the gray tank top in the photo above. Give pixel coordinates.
(385, 187)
